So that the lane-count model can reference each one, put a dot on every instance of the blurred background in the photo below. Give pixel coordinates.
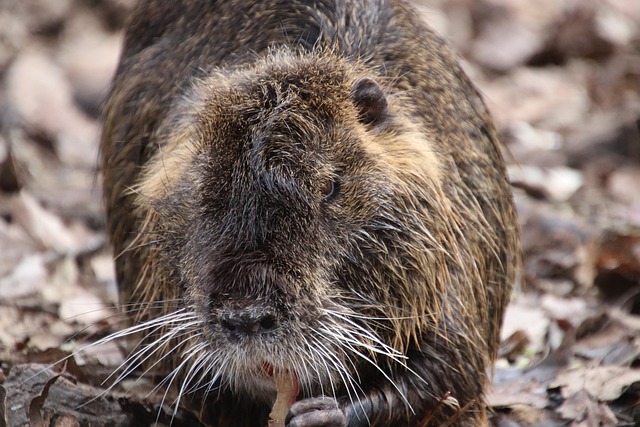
(562, 79)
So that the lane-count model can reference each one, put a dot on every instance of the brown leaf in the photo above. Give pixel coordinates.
(582, 407)
(620, 253)
(514, 345)
(66, 421)
(524, 314)
(518, 391)
(608, 339)
(10, 180)
(4, 421)
(36, 405)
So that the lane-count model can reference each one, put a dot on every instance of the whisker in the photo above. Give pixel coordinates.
(132, 363)
(167, 382)
(314, 365)
(200, 383)
(363, 317)
(195, 366)
(344, 374)
(375, 365)
(360, 331)
(329, 376)
(216, 376)
(111, 337)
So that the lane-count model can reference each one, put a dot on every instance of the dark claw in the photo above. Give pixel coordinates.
(316, 412)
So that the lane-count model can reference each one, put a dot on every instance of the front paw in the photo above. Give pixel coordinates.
(316, 412)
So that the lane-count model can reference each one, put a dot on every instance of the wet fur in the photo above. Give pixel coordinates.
(219, 136)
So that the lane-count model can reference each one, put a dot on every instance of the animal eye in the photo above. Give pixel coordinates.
(330, 188)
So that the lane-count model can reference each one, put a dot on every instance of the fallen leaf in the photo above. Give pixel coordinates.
(517, 391)
(44, 227)
(28, 277)
(4, 420)
(573, 310)
(620, 253)
(524, 314)
(35, 407)
(66, 421)
(607, 339)
(582, 407)
(84, 308)
(605, 383)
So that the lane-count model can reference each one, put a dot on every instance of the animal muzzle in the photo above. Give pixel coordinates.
(248, 322)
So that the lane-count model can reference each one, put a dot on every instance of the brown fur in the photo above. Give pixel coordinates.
(363, 233)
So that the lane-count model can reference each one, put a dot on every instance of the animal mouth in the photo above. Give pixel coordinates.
(267, 370)
(281, 378)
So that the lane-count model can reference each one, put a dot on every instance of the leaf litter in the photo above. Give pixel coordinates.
(562, 79)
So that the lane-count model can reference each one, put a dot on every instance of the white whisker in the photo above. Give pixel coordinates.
(133, 361)
(195, 366)
(344, 374)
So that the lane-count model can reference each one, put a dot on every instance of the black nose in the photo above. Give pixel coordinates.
(239, 323)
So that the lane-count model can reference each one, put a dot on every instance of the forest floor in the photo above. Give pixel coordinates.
(562, 79)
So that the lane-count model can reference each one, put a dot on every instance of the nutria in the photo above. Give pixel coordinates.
(311, 188)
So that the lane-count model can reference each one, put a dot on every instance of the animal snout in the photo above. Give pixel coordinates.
(247, 322)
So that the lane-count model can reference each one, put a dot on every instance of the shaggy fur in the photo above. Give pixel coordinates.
(312, 187)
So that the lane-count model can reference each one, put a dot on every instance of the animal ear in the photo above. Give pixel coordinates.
(368, 97)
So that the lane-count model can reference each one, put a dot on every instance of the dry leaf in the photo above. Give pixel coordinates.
(29, 277)
(35, 407)
(524, 314)
(605, 383)
(4, 420)
(581, 407)
(43, 226)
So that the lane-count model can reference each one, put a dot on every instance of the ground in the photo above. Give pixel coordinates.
(562, 79)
